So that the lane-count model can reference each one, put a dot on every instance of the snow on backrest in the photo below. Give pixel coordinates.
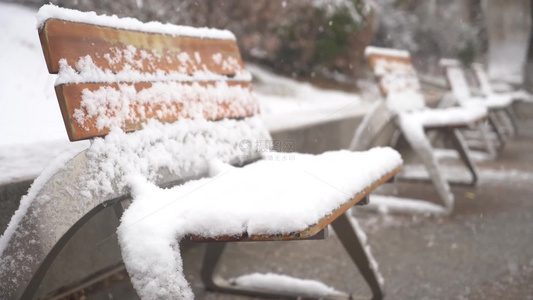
(456, 79)
(117, 72)
(482, 79)
(397, 78)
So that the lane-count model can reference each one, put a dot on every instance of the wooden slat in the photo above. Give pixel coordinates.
(375, 57)
(72, 41)
(308, 232)
(213, 107)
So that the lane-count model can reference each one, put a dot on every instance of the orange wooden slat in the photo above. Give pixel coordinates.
(85, 107)
(112, 48)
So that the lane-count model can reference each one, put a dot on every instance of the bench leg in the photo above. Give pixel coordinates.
(493, 121)
(489, 145)
(460, 145)
(505, 119)
(212, 255)
(420, 144)
(509, 111)
(355, 248)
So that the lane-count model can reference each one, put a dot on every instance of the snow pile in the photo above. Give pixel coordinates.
(183, 148)
(286, 285)
(406, 101)
(50, 11)
(266, 197)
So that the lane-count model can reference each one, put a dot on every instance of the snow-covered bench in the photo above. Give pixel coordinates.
(498, 105)
(405, 107)
(196, 164)
(488, 90)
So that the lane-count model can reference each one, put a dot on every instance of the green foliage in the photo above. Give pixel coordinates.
(467, 54)
(332, 40)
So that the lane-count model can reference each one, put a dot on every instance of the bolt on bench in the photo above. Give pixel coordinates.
(190, 167)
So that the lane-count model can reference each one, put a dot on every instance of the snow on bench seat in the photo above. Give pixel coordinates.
(448, 117)
(270, 199)
(491, 101)
(459, 85)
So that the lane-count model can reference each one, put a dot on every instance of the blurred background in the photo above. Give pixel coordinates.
(323, 41)
(483, 251)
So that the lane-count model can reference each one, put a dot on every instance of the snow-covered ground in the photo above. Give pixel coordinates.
(31, 126)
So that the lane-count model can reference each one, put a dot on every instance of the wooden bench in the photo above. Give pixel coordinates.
(187, 91)
(497, 106)
(405, 107)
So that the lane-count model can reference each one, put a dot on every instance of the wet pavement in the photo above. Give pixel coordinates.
(484, 250)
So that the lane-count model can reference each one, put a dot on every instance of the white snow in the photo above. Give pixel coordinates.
(50, 11)
(391, 204)
(446, 116)
(476, 156)
(371, 50)
(398, 79)
(286, 285)
(236, 201)
(85, 70)
(449, 62)
(463, 95)
(405, 102)
(182, 147)
(458, 174)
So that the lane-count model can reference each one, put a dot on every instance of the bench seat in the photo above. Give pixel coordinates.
(455, 117)
(491, 101)
(284, 196)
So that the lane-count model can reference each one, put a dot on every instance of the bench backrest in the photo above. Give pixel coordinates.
(396, 77)
(116, 72)
(456, 79)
